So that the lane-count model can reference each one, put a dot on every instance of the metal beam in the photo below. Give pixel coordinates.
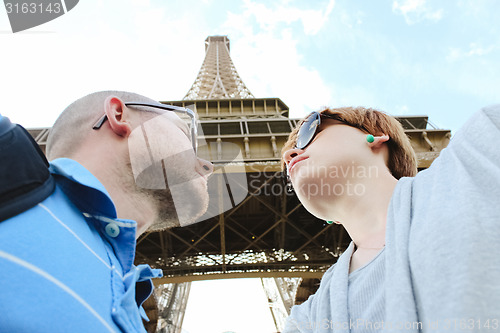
(273, 226)
(235, 275)
(253, 194)
(313, 238)
(201, 238)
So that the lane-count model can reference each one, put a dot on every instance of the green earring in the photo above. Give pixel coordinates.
(370, 138)
(329, 222)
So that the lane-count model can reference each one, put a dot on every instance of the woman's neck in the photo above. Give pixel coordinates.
(366, 217)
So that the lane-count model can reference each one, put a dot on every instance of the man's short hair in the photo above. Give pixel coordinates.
(70, 128)
(402, 160)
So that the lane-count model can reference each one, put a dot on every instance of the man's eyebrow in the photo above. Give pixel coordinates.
(185, 128)
(179, 121)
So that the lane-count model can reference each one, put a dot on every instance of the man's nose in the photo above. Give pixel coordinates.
(204, 167)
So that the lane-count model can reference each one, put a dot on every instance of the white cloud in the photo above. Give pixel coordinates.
(474, 50)
(269, 61)
(474, 72)
(286, 75)
(415, 11)
(147, 50)
(141, 2)
(351, 19)
(269, 17)
(47, 71)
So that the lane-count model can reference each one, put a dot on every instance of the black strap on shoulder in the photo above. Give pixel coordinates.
(25, 179)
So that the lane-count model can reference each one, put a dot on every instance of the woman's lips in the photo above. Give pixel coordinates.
(294, 161)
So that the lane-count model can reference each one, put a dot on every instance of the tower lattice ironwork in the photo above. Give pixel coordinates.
(280, 294)
(217, 78)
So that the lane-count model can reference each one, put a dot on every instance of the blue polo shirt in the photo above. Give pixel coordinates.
(66, 265)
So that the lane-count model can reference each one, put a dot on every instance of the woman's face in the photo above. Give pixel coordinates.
(332, 166)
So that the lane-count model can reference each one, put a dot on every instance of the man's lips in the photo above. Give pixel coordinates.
(203, 176)
(294, 161)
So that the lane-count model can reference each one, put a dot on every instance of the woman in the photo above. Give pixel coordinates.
(404, 269)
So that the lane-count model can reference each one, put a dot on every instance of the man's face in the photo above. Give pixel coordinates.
(166, 170)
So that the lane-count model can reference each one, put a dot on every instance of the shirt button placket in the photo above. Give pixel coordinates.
(112, 230)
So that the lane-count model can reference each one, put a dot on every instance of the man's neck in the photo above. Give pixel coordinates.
(129, 203)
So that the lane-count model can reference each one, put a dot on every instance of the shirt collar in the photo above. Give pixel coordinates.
(91, 198)
(79, 184)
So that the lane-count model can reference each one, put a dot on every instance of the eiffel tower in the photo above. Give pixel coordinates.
(268, 235)
(218, 80)
(228, 112)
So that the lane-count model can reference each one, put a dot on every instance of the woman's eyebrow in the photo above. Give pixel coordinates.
(331, 121)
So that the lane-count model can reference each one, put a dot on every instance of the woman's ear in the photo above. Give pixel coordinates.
(375, 142)
(115, 110)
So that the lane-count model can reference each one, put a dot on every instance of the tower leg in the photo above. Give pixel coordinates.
(172, 302)
(280, 293)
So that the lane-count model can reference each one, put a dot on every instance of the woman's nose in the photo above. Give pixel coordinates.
(204, 167)
(290, 154)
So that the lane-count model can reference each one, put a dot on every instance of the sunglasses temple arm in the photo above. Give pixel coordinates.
(99, 123)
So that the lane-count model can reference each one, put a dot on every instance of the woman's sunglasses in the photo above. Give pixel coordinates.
(309, 128)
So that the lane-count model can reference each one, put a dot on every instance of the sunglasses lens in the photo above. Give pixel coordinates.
(307, 130)
(194, 134)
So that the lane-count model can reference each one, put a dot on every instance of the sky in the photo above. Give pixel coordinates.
(437, 58)
(232, 305)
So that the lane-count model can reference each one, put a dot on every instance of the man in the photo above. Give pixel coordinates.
(122, 164)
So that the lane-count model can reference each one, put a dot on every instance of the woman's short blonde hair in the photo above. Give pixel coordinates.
(402, 160)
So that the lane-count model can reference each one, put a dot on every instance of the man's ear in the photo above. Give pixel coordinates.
(378, 142)
(114, 109)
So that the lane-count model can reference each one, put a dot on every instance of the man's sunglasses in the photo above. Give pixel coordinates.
(309, 128)
(178, 109)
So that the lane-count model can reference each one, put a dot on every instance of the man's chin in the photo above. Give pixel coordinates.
(193, 212)
(180, 205)
(190, 201)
